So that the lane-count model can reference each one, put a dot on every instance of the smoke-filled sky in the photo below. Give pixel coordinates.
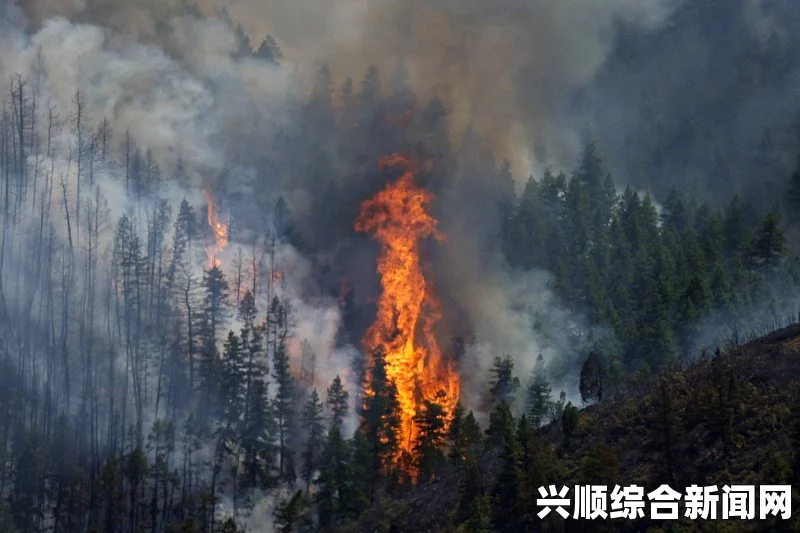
(504, 67)
(702, 94)
(677, 91)
(697, 93)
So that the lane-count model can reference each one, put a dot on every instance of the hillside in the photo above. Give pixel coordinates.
(730, 419)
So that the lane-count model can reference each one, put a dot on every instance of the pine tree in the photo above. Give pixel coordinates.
(769, 245)
(504, 493)
(479, 520)
(215, 315)
(284, 403)
(380, 420)
(465, 436)
(569, 420)
(311, 420)
(259, 430)
(185, 229)
(233, 367)
(500, 420)
(504, 384)
(431, 439)
(538, 393)
(289, 513)
(337, 400)
(269, 50)
(538, 466)
(591, 379)
(334, 477)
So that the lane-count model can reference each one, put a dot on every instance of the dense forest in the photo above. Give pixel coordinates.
(152, 382)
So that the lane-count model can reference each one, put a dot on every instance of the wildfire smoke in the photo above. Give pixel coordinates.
(408, 309)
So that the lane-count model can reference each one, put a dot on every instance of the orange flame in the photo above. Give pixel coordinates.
(408, 309)
(219, 228)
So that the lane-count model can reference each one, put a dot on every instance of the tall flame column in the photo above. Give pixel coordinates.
(407, 308)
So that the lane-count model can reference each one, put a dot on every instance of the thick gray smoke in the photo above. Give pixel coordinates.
(506, 68)
(676, 92)
(708, 103)
(663, 84)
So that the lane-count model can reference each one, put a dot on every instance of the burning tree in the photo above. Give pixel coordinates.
(408, 309)
(219, 228)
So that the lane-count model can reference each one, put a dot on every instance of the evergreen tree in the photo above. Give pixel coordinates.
(269, 51)
(311, 420)
(233, 367)
(289, 513)
(337, 400)
(504, 384)
(335, 477)
(465, 436)
(500, 420)
(538, 393)
(431, 439)
(769, 245)
(259, 430)
(569, 420)
(380, 420)
(284, 405)
(504, 493)
(215, 315)
(480, 520)
(591, 379)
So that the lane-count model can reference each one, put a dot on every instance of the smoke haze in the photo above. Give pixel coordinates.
(525, 79)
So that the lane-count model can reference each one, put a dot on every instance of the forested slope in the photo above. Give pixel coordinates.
(730, 418)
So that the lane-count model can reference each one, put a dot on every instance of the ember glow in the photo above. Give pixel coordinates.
(408, 309)
(219, 229)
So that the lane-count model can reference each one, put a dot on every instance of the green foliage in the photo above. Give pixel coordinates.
(504, 384)
(465, 436)
(337, 400)
(479, 520)
(501, 424)
(289, 513)
(777, 470)
(769, 245)
(569, 420)
(600, 466)
(538, 393)
(653, 281)
(660, 282)
(311, 420)
(592, 378)
(505, 502)
(381, 421)
(284, 406)
(430, 442)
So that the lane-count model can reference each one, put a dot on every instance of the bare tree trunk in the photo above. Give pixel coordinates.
(79, 118)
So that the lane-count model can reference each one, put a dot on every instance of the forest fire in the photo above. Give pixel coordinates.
(408, 309)
(219, 228)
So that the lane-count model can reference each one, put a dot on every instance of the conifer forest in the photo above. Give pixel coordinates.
(299, 266)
